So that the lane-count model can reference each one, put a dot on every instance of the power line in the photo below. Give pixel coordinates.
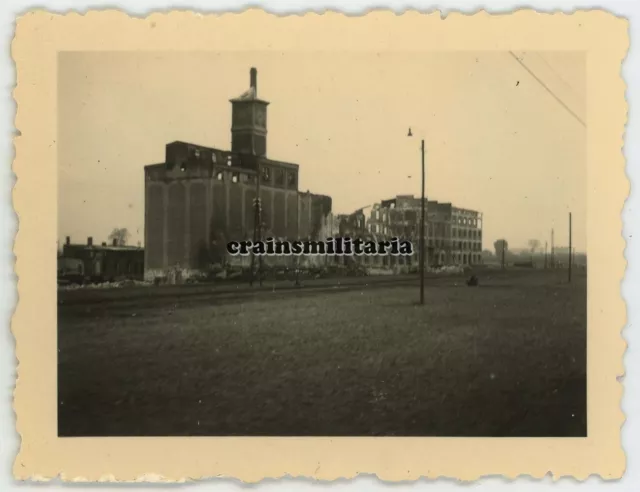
(560, 101)
(555, 72)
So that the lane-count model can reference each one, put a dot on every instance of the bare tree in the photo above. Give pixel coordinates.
(499, 246)
(534, 245)
(120, 236)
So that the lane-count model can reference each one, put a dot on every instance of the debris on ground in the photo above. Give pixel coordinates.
(108, 285)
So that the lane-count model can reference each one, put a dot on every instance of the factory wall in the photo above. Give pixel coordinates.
(190, 219)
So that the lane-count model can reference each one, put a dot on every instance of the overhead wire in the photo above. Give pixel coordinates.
(560, 77)
(549, 91)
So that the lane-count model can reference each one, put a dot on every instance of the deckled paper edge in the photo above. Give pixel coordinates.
(30, 460)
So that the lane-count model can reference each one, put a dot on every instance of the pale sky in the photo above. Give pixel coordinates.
(507, 149)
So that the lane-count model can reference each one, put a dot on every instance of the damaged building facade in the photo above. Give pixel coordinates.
(202, 197)
(453, 236)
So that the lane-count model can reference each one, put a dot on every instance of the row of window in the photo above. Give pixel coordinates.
(239, 177)
(466, 221)
(470, 246)
(385, 229)
(472, 259)
(467, 233)
(279, 178)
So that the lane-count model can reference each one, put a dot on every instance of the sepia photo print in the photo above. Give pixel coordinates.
(168, 161)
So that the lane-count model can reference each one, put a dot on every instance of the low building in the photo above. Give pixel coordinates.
(101, 263)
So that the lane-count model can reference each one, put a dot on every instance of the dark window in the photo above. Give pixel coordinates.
(291, 178)
(279, 176)
(266, 174)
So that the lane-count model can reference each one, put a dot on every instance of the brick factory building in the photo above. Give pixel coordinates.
(453, 235)
(201, 197)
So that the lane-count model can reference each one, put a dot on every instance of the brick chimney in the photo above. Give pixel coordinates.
(115, 242)
(254, 81)
(104, 244)
(89, 241)
(67, 240)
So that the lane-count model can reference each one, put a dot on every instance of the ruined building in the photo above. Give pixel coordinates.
(453, 236)
(201, 197)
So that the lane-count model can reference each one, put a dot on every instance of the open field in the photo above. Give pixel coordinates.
(505, 359)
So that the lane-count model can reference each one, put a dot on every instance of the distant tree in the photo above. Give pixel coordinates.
(501, 245)
(120, 236)
(534, 245)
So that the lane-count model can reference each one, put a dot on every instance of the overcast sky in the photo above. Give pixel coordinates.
(497, 141)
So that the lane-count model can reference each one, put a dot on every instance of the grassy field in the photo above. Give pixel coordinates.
(505, 359)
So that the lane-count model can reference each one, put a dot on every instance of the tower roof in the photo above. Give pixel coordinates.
(252, 93)
(248, 96)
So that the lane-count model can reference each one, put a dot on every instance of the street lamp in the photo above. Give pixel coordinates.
(422, 248)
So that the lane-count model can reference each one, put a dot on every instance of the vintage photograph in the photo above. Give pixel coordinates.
(383, 245)
(173, 166)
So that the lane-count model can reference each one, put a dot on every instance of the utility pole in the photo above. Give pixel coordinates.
(570, 248)
(422, 207)
(422, 248)
(553, 251)
(257, 227)
(297, 257)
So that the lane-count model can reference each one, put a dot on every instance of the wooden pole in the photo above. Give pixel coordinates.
(570, 248)
(422, 249)
(257, 219)
(297, 258)
(259, 225)
(553, 250)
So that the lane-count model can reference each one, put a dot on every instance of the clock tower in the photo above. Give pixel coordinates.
(249, 121)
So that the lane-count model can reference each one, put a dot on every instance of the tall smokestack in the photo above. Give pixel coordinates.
(254, 81)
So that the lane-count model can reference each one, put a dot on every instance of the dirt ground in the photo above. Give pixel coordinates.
(507, 358)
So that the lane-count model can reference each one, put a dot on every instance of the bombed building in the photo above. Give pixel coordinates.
(453, 236)
(200, 197)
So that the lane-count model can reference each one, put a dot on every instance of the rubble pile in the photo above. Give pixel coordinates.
(107, 285)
